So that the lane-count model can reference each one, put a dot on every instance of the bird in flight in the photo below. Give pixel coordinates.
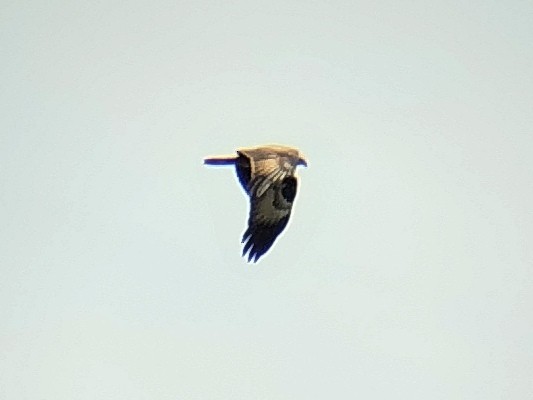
(267, 175)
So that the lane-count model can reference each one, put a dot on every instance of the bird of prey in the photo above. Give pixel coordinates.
(267, 175)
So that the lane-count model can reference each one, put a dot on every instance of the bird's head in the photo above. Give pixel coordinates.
(295, 157)
(302, 160)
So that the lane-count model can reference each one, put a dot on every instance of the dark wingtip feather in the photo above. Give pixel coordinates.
(259, 239)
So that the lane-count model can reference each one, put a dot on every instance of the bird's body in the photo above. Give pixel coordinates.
(267, 175)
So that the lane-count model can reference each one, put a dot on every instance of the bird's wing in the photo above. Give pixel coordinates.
(263, 167)
(269, 215)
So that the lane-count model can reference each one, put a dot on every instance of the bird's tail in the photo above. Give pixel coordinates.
(220, 160)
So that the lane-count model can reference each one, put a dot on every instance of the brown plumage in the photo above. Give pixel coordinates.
(267, 175)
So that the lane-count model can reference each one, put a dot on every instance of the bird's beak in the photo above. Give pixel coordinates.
(302, 161)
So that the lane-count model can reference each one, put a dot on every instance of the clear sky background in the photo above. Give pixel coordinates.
(406, 270)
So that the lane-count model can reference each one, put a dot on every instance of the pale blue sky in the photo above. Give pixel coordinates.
(406, 271)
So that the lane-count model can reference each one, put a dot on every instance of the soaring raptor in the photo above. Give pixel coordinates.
(267, 175)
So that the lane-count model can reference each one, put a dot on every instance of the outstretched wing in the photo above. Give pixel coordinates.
(258, 168)
(269, 214)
